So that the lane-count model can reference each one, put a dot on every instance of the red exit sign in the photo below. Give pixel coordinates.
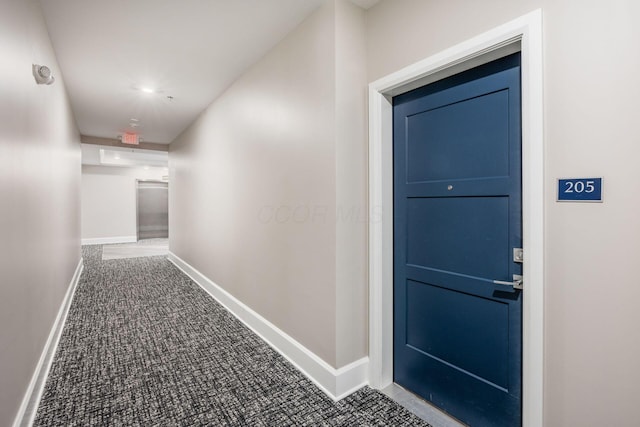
(130, 138)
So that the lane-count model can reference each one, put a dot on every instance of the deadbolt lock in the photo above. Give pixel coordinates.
(518, 255)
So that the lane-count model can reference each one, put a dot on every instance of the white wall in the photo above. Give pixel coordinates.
(258, 178)
(109, 202)
(591, 59)
(39, 198)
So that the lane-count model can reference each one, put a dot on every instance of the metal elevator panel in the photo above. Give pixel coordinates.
(153, 209)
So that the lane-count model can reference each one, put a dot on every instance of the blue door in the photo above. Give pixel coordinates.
(457, 221)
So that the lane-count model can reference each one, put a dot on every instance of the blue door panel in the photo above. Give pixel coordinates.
(475, 325)
(457, 218)
(451, 391)
(442, 149)
(479, 246)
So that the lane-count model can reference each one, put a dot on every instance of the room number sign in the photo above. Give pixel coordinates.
(580, 190)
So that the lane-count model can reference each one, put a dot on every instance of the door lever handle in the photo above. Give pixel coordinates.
(516, 283)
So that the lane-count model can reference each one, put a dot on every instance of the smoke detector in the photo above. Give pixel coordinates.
(42, 74)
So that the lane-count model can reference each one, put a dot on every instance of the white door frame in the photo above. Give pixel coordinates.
(523, 34)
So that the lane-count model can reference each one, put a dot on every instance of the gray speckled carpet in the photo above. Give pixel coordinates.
(143, 345)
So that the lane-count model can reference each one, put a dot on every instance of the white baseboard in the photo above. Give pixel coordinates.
(110, 240)
(29, 406)
(335, 383)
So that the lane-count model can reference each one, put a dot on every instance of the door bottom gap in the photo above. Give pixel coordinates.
(420, 407)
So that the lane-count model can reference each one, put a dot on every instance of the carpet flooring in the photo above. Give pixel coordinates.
(143, 345)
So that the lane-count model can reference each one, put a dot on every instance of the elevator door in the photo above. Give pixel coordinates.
(153, 209)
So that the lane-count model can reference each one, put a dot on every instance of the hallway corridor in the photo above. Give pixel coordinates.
(315, 232)
(144, 345)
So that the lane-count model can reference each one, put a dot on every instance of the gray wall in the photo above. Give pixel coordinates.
(258, 179)
(39, 199)
(351, 183)
(591, 61)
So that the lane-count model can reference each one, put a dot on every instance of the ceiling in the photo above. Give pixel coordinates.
(111, 51)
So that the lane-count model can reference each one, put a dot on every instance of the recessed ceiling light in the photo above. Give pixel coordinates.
(147, 90)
